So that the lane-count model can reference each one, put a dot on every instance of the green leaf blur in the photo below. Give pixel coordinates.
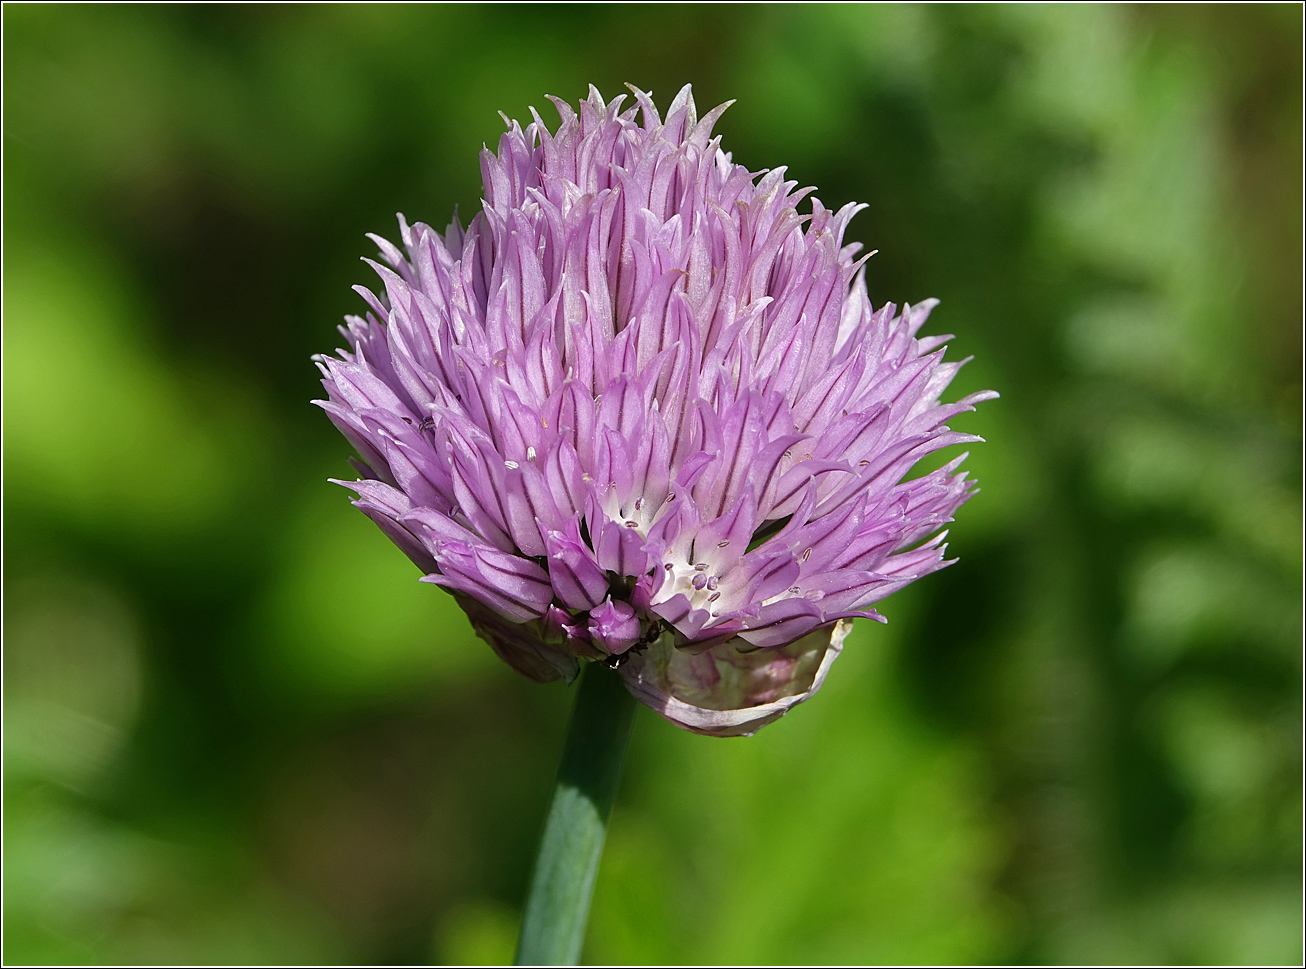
(238, 730)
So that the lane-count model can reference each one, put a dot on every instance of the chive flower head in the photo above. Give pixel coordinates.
(643, 411)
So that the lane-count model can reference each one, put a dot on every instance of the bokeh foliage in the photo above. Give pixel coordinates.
(238, 730)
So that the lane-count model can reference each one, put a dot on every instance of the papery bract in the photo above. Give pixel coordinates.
(643, 411)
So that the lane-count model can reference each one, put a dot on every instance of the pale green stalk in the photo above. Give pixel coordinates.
(553, 924)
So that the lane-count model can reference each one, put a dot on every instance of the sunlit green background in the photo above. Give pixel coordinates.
(237, 729)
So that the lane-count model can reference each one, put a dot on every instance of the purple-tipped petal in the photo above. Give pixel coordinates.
(578, 582)
(515, 587)
(615, 626)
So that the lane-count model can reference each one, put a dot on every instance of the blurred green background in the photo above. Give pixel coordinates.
(237, 729)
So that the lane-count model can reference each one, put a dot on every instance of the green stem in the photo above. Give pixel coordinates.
(553, 925)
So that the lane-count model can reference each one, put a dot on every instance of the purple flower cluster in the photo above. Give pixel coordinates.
(642, 411)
